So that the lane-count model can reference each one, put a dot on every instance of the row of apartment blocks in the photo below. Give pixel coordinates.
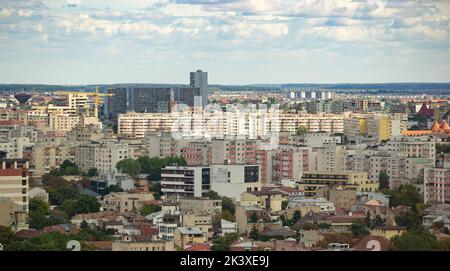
(372, 127)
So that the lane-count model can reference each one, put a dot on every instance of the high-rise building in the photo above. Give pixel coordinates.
(137, 98)
(199, 79)
(14, 181)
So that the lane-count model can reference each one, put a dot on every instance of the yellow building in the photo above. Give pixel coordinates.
(269, 200)
(311, 182)
(188, 236)
(388, 231)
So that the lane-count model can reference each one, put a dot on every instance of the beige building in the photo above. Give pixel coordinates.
(125, 202)
(14, 182)
(143, 246)
(199, 205)
(12, 215)
(103, 156)
(189, 236)
(311, 182)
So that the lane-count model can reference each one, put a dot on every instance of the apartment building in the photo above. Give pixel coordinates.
(436, 185)
(330, 157)
(233, 180)
(103, 156)
(125, 202)
(311, 182)
(200, 205)
(184, 181)
(14, 181)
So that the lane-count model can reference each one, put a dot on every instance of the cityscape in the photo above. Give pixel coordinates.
(101, 158)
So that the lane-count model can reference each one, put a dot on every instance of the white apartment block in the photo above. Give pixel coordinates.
(103, 156)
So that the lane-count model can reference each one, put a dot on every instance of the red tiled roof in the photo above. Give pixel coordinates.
(28, 234)
(198, 247)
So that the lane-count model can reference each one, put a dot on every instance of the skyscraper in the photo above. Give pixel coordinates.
(199, 79)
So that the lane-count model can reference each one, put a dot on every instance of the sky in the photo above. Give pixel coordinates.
(235, 41)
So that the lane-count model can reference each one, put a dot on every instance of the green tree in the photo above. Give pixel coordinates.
(222, 243)
(383, 179)
(6, 236)
(254, 217)
(149, 209)
(59, 194)
(301, 130)
(155, 187)
(404, 195)
(92, 172)
(80, 205)
(358, 228)
(296, 217)
(254, 233)
(225, 214)
(113, 188)
(284, 204)
(408, 219)
(414, 240)
(129, 166)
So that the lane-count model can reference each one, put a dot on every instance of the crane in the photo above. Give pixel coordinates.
(95, 94)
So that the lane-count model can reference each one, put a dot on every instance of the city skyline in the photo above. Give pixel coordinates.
(237, 41)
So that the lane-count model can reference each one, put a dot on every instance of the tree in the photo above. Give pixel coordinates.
(254, 233)
(254, 217)
(377, 221)
(383, 179)
(113, 188)
(301, 130)
(129, 166)
(156, 189)
(408, 219)
(149, 209)
(80, 205)
(222, 243)
(92, 172)
(414, 240)
(284, 204)
(6, 236)
(404, 195)
(225, 214)
(59, 194)
(65, 169)
(296, 217)
(358, 228)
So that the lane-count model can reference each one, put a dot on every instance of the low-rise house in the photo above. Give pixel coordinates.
(270, 200)
(323, 204)
(289, 244)
(143, 246)
(310, 237)
(281, 233)
(188, 236)
(125, 202)
(388, 231)
(95, 219)
(203, 221)
(200, 205)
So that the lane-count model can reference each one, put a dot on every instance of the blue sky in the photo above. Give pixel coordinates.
(236, 41)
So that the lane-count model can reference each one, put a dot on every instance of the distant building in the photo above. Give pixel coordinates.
(199, 79)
